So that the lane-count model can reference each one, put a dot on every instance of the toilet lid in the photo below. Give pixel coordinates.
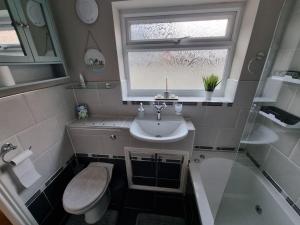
(85, 188)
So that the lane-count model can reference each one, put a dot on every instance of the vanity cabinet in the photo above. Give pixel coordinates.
(27, 33)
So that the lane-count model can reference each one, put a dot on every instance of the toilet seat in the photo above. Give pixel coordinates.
(86, 188)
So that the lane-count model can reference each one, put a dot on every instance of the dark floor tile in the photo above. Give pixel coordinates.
(139, 199)
(169, 204)
(40, 208)
(58, 216)
(128, 217)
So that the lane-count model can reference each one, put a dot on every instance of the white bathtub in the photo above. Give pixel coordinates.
(239, 202)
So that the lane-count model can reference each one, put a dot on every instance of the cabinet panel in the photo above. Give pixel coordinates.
(39, 30)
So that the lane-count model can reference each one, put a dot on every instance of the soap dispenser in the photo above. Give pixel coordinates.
(141, 110)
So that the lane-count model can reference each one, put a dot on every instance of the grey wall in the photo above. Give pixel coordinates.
(215, 126)
(36, 119)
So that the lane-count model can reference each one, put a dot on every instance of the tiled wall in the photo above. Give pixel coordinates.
(281, 159)
(217, 126)
(37, 119)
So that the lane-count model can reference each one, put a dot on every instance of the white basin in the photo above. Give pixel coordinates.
(168, 129)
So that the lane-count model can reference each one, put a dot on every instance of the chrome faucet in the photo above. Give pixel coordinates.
(159, 106)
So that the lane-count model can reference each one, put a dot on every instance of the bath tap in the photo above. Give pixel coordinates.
(159, 107)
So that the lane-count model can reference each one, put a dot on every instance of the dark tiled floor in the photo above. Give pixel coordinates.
(137, 201)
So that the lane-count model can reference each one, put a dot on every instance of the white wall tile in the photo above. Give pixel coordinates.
(40, 137)
(221, 117)
(294, 106)
(45, 103)
(285, 173)
(285, 97)
(228, 138)
(287, 139)
(206, 136)
(15, 116)
(259, 152)
(295, 155)
(37, 119)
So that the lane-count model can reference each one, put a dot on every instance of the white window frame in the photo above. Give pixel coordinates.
(232, 11)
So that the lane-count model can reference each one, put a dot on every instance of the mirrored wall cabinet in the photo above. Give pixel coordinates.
(30, 52)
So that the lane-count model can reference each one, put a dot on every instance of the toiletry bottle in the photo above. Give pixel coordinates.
(81, 81)
(141, 111)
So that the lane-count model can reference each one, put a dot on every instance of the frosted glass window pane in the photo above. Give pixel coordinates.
(194, 29)
(8, 37)
(184, 68)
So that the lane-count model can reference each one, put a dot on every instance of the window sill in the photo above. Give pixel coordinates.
(182, 99)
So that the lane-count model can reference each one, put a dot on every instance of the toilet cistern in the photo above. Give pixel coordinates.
(158, 106)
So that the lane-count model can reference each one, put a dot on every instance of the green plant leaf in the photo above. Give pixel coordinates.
(211, 82)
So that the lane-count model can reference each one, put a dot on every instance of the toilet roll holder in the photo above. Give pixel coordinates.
(6, 148)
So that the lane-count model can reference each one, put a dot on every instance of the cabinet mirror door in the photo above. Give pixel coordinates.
(38, 30)
(13, 43)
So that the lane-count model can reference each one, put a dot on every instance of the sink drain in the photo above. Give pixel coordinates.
(158, 136)
(258, 209)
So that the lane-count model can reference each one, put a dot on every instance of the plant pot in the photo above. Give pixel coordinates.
(208, 95)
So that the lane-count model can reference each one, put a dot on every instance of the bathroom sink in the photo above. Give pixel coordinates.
(168, 129)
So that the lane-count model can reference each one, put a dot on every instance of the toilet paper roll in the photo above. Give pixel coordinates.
(24, 169)
(20, 157)
(6, 78)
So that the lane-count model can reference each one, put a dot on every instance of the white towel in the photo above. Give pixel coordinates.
(24, 169)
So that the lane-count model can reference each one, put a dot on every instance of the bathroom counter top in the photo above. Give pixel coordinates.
(120, 123)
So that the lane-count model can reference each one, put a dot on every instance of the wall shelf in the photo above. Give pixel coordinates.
(286, 79)
(280, 117)
(264, 100)
(95, 85)
(261, 135)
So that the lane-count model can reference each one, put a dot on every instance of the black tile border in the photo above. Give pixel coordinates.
(203, 147)
(217, 149)
(270, 179)
(105, 156)
(276, 186)
(138, 102)
(33, 197)
(49, 181)
(212, 103)
(189, 103)
(118, 157)
(231, 149)
(253, 160)
(81, 155)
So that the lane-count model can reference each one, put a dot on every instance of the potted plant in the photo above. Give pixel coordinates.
(210, 83)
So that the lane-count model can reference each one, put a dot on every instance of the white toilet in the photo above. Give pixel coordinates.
(87, 192)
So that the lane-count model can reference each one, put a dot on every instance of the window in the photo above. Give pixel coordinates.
(182, 45)
(9, 40)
